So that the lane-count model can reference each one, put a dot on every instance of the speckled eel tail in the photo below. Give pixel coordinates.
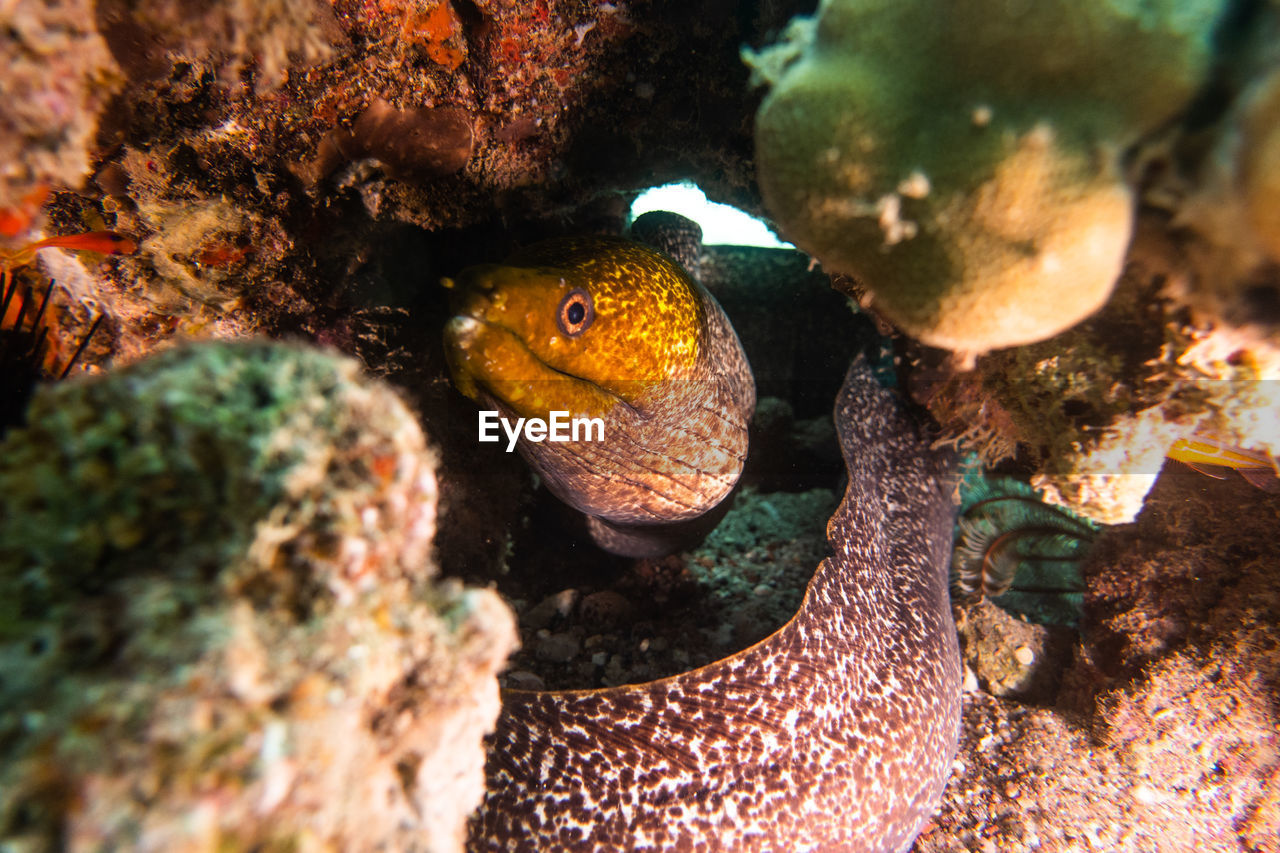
(835, 733)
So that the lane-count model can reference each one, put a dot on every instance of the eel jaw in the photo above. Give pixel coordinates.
(459, 337)
(488, 359)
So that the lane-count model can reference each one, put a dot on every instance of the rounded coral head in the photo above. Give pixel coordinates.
(963, 160)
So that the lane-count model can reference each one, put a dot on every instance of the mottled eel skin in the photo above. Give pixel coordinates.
(835, 733)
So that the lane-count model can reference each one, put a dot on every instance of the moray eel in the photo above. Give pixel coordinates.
(836, 732)
(609, 328)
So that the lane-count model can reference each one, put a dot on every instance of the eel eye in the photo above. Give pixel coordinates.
(575, 313)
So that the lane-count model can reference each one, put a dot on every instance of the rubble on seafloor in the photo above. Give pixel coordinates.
(311, 169)
(635, 621)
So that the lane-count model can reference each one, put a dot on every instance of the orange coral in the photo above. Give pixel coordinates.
(510, 50)
(440, 29)
(432, 27)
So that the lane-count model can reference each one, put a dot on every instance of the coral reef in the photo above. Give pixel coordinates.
(1186, 345)
(1091, 413)
(1179, 634)
(1163, 732)
(1221, 192)
(420, 143)
(1011, 658)
(310, 133)
(1260, 167)
(301, 168)
(220, 625)
(964, 162)
(259, 40)
(58, 76)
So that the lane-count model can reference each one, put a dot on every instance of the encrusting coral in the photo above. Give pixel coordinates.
(267, 39)
(964, 160)
(58, 77)
(219, 625)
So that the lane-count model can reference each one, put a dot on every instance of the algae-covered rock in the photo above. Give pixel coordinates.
(219, 626)
(182, 458)
(963, 159)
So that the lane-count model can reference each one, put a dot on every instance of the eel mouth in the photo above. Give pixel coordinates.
(488, 357)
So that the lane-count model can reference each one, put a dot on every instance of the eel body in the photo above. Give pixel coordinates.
(603, 327)
(836, 732)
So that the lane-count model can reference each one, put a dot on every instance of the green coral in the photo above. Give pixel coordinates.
(193, 458)
(963, 159)
(219, 627)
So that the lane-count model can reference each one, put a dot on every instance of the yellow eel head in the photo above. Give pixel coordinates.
(575, 325)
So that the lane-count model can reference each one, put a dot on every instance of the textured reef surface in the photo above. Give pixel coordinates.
(221, 624)
(1157, 731)
(257, 575)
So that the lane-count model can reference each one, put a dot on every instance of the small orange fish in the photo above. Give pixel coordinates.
(222, 254)
(104, 242)
(1212, 457)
